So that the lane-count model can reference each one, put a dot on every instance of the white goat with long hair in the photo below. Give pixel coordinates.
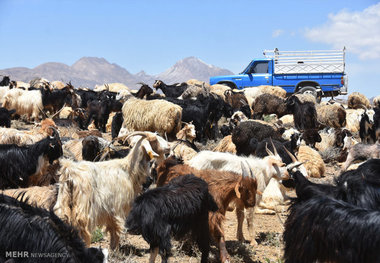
(102, 193)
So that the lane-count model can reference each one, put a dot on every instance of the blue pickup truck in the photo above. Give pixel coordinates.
(320, 73)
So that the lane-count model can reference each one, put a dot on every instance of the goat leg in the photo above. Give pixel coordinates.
(240, 219)
(153, 254)
(252, 232)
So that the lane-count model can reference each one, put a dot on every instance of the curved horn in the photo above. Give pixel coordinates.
(274, 148)
(57, 113)
(104, 155)
(44, 115)
(294, 159)
(268, 151)
(135, 134)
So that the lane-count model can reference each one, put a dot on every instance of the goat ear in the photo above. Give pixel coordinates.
(237, 186)
(152, 154)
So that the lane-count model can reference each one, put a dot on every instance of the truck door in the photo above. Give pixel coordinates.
(258, 75)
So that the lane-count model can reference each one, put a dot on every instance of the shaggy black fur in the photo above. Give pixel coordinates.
(56, 99)
(17, 163)
(245, 131)
(5, 81)
(29, 229)
(203, 112)
(305, 114)
(176, 209)
(359, 187)
(5, 117)
(117, 121)
(323, 229)
(291, 146)
(311, 137)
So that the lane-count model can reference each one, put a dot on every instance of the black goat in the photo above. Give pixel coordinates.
(117, 121)
(86, 96)
(304, 114)
(170, 91)
(323, 229)
(5, 117)
(18, 164)
(97, 149)
(32, 234)
(99, 111)
(203, 112)
(311, 137)
(247, 130)
(54, 101)
(5, 81)
(279, 144)
(176, 209)
(359, 187)
(144, 90)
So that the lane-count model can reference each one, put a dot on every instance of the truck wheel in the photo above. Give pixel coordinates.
(231, 85)
(311, 90)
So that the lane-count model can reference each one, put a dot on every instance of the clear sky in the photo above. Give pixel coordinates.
(153, 35)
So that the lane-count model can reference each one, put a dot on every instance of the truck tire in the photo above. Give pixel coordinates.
(311, 90)
(231, 85)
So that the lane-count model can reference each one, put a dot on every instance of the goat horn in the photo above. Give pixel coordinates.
(52, 116)
(268, 151)
(106, 152)
(135, 134)
(294, 165)
(294, 159)
(274, 148)
(43, 113)
(249, 169)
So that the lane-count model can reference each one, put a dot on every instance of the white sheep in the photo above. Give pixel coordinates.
(312, 161)
(24, 102)
(152, 115)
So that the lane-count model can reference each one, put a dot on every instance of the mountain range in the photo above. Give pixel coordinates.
(91, 71)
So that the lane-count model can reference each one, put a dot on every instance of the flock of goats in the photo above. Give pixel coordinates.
(133, 163)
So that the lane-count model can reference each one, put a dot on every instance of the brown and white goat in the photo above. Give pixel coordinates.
(224, 187)
(184, 148)
(263, 170)
(102, 193)
(19, 137)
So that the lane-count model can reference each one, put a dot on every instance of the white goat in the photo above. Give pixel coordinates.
(102, 193)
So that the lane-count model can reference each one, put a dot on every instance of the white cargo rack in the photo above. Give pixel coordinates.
(301, 62)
